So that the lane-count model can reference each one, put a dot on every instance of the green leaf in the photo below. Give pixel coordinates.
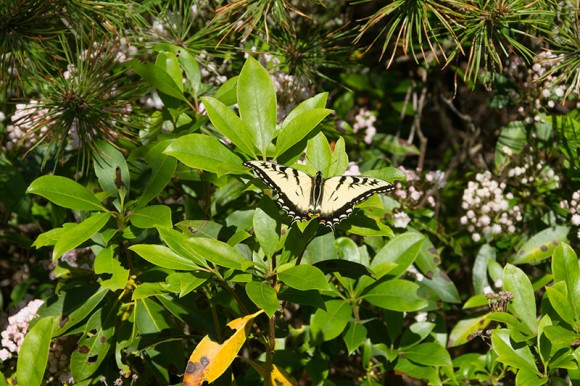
(33, 354)
(541, 245)
(440, 283)
(219, 253)
(307, 298)
(167, 62)
(107, 162)
(298, 128)
(158, 77)
(180, 244)
(203, 152)
(150, 317)
(163, 257)
(265, 229)
(513, 137)
(230, 125)
(76, 303)
(151, 217)
(65, 192)
(162, 170)
(344, 267)
(355, 335)
(565, 269)
(105, 263)
(429, 374)
(516, 355)
(319, 154)
(187, 62)
(318, 101)
(396, 295)
(257, 103)
(327, 325)
(524, 301)
(428, 354)
(186, 281)
(79, 233)
(227, 92)
(339, 159)
(93, 345)
(402, 250)
(264, 296)
(560, 300)
(304, 277)
(479, 273)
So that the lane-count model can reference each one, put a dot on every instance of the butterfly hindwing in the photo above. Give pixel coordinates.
(292, 186)
(340, 195)
(302, 196)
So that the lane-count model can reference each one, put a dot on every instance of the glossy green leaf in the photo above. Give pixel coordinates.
(265, 230)
(355, 335)
(307, 298)
(559, 299)
(304, 277)
(319, 154)
(344, 267)
(415, 334)
(348, 250)
(485, 254)
(158, 77)
(514, 137)
(516, 355)
(227, 92)
(327, 325)
(110, 167)
(396, 295)
(186, 281)
(321, 248)
(93, 345)
(442, 285)
(565, 269)
(264, 296)
(298, 128)
(180, 244)
(78, 234)
(187, 63)
(106, 263)
(530, 378)
(163, 257)
(428, 374)
(402, 250)
(428, 354)
(464, 330)
(146, 290)
(151, 217)
(517, 328)
(162, 170)
(65, 192)
(167, 61)
(150, 317)
(33, 354)
(541, 245)
(318, 101)
(200, 151)
(230, 125)
(76, 303)
(257, 103)
(524, 300)
(219, 253)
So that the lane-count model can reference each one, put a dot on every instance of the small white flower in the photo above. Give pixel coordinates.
(476, 237)
(576, 219)
(402, 219)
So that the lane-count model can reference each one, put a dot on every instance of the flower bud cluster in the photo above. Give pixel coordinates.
(24, 120)
(418, 191)
(13, 334)
(364, 121)
(488, 209)
(573, 207)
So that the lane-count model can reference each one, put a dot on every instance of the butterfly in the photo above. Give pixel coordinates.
(302, 196)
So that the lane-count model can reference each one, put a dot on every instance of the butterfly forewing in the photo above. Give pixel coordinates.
(292, 186)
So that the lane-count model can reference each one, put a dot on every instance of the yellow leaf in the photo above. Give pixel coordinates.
(278, 376)
(210, 359)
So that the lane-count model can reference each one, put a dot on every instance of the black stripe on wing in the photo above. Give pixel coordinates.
(290, 175)
(346, 184)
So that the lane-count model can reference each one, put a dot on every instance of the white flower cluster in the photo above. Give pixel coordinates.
(487, 207)
(13, 335)
(418, 191)
(23, 120)
(531, 173)
(573, 206)
(365, 120)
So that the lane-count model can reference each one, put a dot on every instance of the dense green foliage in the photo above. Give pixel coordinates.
(131, 231)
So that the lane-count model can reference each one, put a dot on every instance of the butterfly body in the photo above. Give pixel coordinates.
(302, 196)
